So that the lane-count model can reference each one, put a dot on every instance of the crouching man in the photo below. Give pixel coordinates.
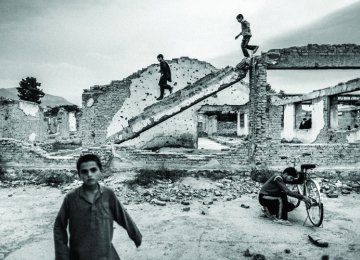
(274, 195)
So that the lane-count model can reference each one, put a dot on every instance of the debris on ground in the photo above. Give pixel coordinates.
(318, 241)
(204, 211)
(258, 257)
(186, 209)
(247, 253)
(332, 195)
(225, 189)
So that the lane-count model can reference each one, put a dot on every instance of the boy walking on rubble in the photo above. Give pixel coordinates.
(90, 211)
(165, 76)
(246, 33)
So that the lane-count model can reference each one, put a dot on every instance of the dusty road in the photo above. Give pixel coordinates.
(224, 232)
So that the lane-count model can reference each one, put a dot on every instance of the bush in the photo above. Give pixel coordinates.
(51, 177)
(146, 177)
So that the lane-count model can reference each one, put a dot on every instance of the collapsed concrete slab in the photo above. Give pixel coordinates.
(177, 103)
(343, 87)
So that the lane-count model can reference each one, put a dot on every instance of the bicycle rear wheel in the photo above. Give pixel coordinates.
(297, 189)
(316, 210)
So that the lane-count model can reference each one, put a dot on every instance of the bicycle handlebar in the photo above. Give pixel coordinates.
(307, 166)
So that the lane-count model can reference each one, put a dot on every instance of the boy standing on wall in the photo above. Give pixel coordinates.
(246, 33)
(90, 211)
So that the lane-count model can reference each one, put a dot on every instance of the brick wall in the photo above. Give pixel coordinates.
(15, 153)
(231, 159)
(348, 118)
(226, 128)
(99, 105)
(264, 118)
(333, 160)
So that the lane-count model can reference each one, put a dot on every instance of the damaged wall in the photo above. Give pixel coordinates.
(22, 120)
(291, 129)
(62, 122)
(107, 109)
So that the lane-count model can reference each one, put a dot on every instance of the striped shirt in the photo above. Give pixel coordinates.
(270, 187)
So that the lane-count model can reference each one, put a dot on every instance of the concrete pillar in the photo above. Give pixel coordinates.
(318, 116)
(334, 123)
(246, 124)
(211, 125)
(238, 130)
(299, 115)
(289, 122)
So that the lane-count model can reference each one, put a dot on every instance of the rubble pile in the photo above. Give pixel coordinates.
(167, 191)
(334, 188)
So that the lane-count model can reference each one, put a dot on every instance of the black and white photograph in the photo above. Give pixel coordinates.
(179, 130)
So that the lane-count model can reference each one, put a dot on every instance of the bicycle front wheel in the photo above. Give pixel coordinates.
(316, 210)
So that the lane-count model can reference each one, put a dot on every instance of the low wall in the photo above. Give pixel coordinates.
(18, 154)
(232, 159)
(327, 157)
(333, 160)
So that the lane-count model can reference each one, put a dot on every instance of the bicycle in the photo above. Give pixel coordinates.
(311, 189)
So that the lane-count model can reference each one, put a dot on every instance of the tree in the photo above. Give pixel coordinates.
(29, 90)
(281, 93)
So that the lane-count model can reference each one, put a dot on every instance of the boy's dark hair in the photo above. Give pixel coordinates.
(87, 158)
(160, 56)
(239, 16)
(290, 171)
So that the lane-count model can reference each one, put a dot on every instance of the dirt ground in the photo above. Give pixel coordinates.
(224, 232)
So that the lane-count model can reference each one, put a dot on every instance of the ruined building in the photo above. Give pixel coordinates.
(125, 124)
(28, 121)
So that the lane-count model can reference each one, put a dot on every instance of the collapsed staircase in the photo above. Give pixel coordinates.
(178, 102)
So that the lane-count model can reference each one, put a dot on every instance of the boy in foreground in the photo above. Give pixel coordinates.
(274, 192)
(90, 211)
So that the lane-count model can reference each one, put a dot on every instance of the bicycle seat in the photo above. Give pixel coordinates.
(307, 166)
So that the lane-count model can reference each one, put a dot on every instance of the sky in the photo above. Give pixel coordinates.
(70, 45)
